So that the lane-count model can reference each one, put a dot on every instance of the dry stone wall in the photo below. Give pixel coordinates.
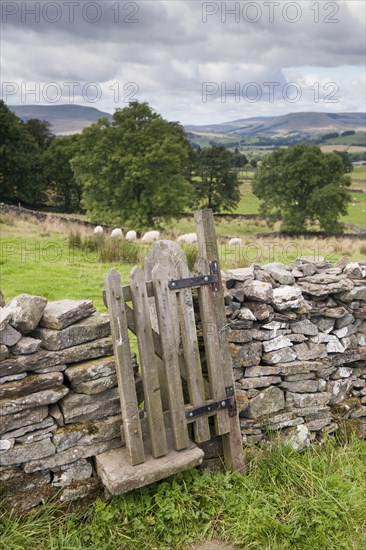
(298, 340)
(59, 404)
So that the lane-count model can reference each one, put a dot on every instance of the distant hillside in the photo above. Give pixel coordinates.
(64, 119)
(310, 124)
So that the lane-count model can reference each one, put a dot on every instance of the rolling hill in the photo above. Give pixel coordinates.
(64, 119)
(311, 124)
(71, 119)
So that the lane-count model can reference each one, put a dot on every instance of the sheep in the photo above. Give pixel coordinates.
(150, 236)
(131, 235)
(236, 241)
(188, 238)
(117, 233)
(98, 230)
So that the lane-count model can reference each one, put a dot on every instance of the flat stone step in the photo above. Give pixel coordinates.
(119, 477)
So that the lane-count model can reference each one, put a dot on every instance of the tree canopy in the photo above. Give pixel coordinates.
(215, 182)
(133, 170)
(302, 184)
(21, 161)
(62, 188)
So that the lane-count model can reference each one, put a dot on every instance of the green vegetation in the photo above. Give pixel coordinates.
(21, 161)
(133, 170)
(358, 138)
(283, 500)
(302, 184)
(215, 180)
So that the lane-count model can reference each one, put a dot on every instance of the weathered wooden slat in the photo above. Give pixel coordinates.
(212, 348)
(153, 404)
(191, 354)
(170, 358)
(208, 249)
(124, 369)
(157, 345)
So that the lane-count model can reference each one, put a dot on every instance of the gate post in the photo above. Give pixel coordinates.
(208, 250)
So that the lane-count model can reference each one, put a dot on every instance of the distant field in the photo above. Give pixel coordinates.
(356, 139)
(348, 148)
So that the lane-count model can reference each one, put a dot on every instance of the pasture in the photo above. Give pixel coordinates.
(43, 259)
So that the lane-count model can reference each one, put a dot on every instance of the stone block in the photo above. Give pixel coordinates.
(62, 313)
(92, 328)
(279, 272)
(32, 400)
(246, 355)
(302, 400)
(43, 359)
(25, 346)
(305, 327)
(77, 407)
(26, 312)
(9, 336)
(31, 384)
(277, 343)
(267, 402)
(26, 453)
(77, 471)
(283, 355)
(258, 292)
(26, 417)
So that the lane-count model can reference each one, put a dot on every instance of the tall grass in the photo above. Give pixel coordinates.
(284, 500)
(106, 249)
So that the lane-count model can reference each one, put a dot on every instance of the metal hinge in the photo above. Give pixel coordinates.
(211, 407)
(228, 403)
(199, 280)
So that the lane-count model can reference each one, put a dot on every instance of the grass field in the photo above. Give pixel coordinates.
(38, 259)
(314, 500)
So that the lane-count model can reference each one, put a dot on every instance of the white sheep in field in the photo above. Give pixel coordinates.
(131, 235)
(236, 241)
(150, 236)
(117, 232)
(98, 230)
(188, 238)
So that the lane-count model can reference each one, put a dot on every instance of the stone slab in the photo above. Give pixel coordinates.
(26, 417)
(71, 455)
(91, 370)
(37, 399)
(25, 453)
(75, 435)
(119, 477)
(48, 359)
(31, 384)
(77, 407)
(91, 328)
(62, 313)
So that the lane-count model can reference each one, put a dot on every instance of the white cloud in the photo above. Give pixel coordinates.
(170, 51)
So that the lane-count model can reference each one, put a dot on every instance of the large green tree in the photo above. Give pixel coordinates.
(215, 179)
(134, 169)
(301, 184)
(62, 188)
(41, 132)
(21, 162)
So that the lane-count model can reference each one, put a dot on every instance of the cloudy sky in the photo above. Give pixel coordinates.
(196, 62)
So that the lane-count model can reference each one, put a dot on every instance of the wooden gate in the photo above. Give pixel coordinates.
(186, 373)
